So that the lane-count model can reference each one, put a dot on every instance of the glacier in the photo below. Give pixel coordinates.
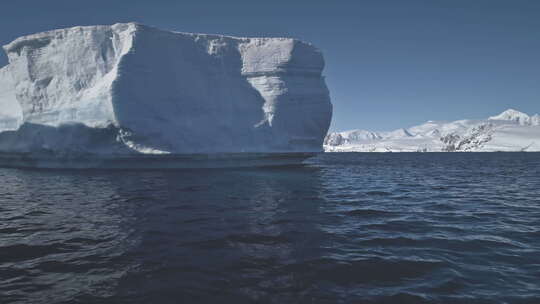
(510, 131)
(133, 89)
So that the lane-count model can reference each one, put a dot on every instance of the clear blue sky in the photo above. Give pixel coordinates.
(390, 63)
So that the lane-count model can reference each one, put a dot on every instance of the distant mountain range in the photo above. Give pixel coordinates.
(509, 131)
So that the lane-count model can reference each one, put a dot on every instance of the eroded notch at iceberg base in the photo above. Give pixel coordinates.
(155, 92)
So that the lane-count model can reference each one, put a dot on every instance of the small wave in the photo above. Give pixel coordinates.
(21, 252)
(258, 239)
(87, 241)
(193, 189)
(18, 230)
(72, 267)
(392, 242)
(369, 213)
(141, 198)
(378, 193)
(453, 244)
(199, 220)
(401, 298)
(14, 218)
(36, 213)
(371, 270)
(10, 230)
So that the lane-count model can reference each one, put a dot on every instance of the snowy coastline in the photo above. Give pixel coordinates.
(510, 131)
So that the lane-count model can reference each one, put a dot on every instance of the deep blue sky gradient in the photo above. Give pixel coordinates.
(390, 63)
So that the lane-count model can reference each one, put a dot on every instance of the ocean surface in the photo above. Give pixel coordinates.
(344, 228)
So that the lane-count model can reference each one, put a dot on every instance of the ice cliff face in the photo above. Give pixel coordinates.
(10, 110)
(160, 91)
(509, 131)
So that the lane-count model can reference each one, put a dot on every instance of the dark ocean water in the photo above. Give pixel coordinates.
(346, 228)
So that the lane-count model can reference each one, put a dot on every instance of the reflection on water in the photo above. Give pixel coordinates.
(407, 228)
(60, 232)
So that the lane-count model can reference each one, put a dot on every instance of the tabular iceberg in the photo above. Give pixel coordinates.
(134, 89)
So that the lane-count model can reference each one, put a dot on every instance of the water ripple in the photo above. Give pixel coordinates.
(346, 228)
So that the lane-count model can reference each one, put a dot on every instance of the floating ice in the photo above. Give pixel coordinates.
(129, 88)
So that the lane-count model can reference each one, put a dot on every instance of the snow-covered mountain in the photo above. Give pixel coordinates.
(509, 131)
(129, 88)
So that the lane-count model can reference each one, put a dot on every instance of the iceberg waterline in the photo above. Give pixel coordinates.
(509, 131)
(132, 89)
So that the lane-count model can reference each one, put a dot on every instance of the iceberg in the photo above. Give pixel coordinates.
(129, 89)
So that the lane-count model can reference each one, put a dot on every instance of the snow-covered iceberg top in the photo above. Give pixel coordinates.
(132, 88)
(509, 131)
